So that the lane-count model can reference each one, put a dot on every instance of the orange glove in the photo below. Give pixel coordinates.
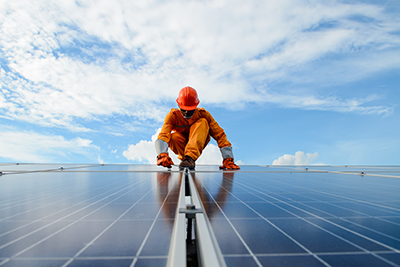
(229, 164)
(164, 160)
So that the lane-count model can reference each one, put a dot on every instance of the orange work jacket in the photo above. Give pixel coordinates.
(175, 122)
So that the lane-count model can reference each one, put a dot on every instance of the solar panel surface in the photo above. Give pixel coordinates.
(123, 215)
(86, 218)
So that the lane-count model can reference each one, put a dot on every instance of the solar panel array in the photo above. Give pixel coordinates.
(124, 215)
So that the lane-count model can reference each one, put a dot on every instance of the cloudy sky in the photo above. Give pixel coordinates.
(290, 81)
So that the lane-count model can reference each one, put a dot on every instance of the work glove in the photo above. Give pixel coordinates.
(229, 164)
(164, 160)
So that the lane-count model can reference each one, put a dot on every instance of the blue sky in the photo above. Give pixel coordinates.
(291, 81)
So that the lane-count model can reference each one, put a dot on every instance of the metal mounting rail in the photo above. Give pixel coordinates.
(177, 249)
(208, 251)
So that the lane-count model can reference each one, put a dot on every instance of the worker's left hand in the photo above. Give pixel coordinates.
(229, 164)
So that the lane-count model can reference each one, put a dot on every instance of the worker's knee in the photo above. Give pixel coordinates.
(177, 144)
(201, 121)
(202, 124)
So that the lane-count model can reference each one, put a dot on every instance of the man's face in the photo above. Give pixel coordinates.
(187, 114)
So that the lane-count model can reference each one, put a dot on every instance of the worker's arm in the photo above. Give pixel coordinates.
(169, 122)
(224, 145)
(216, 131)
(161, 143)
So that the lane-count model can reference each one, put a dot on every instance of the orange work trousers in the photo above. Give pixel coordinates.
(193, 144)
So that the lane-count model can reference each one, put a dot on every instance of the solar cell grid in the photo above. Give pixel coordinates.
(123, 215)
(318, 219)
(78, 219)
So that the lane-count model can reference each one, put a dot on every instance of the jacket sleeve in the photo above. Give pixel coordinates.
(216, 131)
(167, 127)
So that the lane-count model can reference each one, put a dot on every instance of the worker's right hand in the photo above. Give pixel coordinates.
(164, 160)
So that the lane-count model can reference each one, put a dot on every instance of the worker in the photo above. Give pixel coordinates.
(187, 130)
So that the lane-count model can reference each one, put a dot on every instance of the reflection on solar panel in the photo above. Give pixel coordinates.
(137, 215)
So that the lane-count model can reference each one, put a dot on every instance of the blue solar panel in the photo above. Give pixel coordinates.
(86, 218)
(124, 215)
(303, 218)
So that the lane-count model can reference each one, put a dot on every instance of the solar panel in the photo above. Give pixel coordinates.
(131, 215)
(303, 218)
(70, 218)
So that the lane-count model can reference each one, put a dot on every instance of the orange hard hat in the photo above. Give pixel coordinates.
(187, 98)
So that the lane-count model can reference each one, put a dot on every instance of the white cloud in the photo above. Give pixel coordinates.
(145, 152)
(211, 155)
(39, 148)
(239, 162)
(68, 61)
(99, 160)
(299, 158)
(310, 102)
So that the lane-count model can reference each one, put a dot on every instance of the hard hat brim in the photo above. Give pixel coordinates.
(187, 107)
